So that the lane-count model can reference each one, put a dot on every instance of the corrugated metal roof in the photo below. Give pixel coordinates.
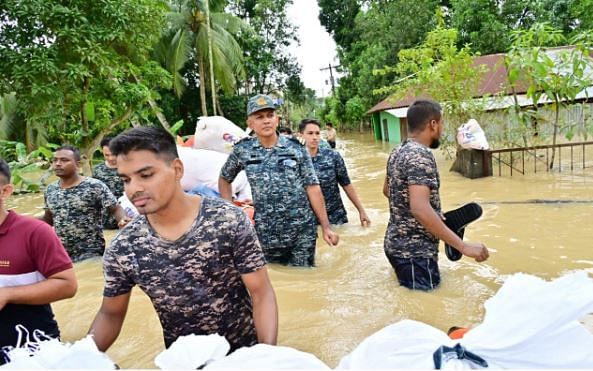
(493, 82)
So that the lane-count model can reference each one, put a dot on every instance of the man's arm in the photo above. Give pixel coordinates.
(265, 309)
(109, 320)
(318, 204)
(386, 188)
(428, 217)
(61, 285)
(365, 221)
(225, 188)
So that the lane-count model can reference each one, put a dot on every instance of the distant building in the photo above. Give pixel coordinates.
(388, 117)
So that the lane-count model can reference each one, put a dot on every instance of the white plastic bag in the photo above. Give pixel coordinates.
(268, 357)
(216, 133)
(202, 168)
(43, 352)
(192, 352)
(529, 323)
(471, 136)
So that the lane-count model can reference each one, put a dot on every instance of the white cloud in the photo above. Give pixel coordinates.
(317, 49)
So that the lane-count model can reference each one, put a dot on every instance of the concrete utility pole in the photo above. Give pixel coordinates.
(331, 75)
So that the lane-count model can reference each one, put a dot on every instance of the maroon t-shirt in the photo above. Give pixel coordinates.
(30, 251)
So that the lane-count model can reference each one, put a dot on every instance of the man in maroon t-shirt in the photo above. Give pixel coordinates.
(35, 270)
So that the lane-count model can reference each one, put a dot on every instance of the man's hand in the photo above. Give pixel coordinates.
(123, 222)
(478, 251)
(3, 298)
(365, 221)
(330, 237)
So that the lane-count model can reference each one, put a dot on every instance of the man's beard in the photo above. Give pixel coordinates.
(435, 143)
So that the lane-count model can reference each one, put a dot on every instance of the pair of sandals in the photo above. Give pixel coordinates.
(457, 220)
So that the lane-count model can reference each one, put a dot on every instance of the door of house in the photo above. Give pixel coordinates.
(403, 128)
(385, 130)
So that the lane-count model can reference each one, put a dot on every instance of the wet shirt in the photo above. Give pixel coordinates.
(194, 283)
(278, 177)
(331, 171)
(109, 176)
(77, 215)
(410, 163)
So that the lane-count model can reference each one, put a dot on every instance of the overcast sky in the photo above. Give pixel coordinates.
(317, 49)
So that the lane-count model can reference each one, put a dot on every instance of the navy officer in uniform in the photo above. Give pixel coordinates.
(286, 192)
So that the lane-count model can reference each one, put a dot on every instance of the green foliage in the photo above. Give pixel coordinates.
(439, 69)
(65, 56)
(555, 75)
(23, 166)
(268, 65)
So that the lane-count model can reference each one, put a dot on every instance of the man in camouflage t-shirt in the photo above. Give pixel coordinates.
(331, 171)
(74, 205)
(197, 258)
(415, 218)
(106, 172)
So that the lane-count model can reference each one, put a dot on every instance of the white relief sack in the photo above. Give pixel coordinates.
(217, 133)
(43, 352)
(471, 136)
(529, 323)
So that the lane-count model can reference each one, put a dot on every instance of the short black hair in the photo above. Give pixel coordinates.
(4, 171)
(105, 141)
(68, 147)
(421, 112)
(329, 124)
(306, 122)
(149, 138)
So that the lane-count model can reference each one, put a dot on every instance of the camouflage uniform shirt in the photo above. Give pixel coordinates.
(410, 163)
(109, 176)
(331, 171)
(77, 213)
(278, 176)
(194, 283)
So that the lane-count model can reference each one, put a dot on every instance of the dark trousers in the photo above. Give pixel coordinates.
(423, 273)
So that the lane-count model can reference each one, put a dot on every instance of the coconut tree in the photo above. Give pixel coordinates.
(14, 127)
(188, 37)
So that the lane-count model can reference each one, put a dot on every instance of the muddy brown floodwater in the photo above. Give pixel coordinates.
(353, 292)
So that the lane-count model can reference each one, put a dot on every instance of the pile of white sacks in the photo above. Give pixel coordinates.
(529, 323)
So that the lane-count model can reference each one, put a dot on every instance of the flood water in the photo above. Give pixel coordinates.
(353, 292)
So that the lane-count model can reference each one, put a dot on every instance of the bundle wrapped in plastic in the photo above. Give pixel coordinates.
(48, 353)
(471, 136)
(268, 357)
(209, 352)
(216, 133)
(202, 168)
(529, 323)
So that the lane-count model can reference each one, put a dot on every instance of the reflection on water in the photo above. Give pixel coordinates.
(353, 292)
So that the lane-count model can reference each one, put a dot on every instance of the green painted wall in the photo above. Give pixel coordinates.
(376, 121)
(390, 132)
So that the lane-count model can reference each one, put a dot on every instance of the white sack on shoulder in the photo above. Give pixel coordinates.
(216, 133)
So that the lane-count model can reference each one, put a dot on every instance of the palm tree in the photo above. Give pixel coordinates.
(14, 127)
(187, 37)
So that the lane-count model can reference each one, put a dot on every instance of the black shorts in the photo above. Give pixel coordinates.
(417, 273)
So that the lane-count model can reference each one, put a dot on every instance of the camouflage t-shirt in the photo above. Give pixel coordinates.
(194, 283)
(77, 215)
(109, 176)
(410, 163)
(331, 171)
